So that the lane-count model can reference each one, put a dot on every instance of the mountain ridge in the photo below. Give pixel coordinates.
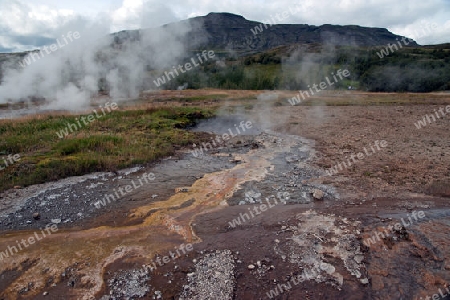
(235, 33)
(228, 31)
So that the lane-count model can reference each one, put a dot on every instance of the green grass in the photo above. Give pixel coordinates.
(204, 97)
(117, 140)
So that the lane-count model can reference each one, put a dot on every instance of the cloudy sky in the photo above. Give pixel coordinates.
(28, 24)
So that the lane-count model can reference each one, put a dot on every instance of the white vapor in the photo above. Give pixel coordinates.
(68, 77)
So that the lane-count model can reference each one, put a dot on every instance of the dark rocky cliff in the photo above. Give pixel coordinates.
(235, 33)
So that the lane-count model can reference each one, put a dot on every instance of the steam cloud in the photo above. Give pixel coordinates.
(68, 77)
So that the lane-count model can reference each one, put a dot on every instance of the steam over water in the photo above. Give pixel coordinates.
(68, 77)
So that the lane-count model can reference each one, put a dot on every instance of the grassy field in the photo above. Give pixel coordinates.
(116, 140)
(141, 135)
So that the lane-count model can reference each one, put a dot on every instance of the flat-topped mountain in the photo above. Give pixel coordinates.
(235, 33)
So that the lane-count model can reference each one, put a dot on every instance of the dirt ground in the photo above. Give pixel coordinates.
(311, 245)
(414, 161)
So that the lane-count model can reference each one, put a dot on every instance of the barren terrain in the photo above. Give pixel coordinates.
(310, 241)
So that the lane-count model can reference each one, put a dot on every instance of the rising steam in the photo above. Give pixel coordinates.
(68, 77)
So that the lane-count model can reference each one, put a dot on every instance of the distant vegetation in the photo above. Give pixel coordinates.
(406, 70)
(422, 69)
(294, 67)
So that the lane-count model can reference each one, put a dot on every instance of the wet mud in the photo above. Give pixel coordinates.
(253, 218)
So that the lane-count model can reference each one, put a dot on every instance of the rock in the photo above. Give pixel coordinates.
(17, 187)
(318, 194)
(36, 216)
(56, 221)
(292, 159)
(258, 263)
(182, 190)
(251, 267)
(236, 159)
(44, 293)
(213, 277)
(364, 281)
(130, 284)
(359, 258)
